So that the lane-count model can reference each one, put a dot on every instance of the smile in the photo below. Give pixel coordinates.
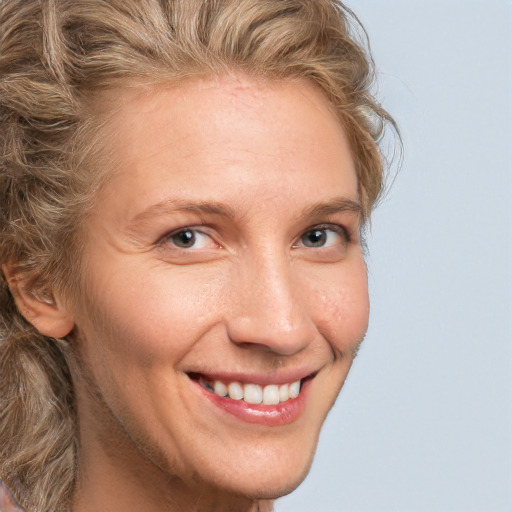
(266, 403)
(271, 394)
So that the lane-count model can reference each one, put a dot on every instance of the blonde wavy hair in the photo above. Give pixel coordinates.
(58, 58)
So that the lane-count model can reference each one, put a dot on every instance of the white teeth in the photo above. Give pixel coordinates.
(253, 394)
(294, 389)
(220, 388)
(283, 393)
(271, 395)
(235, 391)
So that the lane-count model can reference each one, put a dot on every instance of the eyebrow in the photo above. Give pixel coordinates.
(332, 206)
(176, 205)
(320, 209)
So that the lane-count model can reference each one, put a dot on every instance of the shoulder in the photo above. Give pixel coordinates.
(7, 501)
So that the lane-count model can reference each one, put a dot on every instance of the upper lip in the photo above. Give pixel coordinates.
(284, 376)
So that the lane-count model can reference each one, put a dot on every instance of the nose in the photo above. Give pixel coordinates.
(269, 307)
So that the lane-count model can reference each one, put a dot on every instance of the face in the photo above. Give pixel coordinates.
(225, 288)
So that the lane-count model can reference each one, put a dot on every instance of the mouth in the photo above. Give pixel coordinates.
(271, 404)
(251, 393)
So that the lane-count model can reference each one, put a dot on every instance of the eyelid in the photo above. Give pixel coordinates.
(338, 228)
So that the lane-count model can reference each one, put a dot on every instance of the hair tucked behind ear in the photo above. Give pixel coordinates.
(57, 60)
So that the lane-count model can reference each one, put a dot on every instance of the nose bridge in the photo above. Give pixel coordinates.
(270, 307)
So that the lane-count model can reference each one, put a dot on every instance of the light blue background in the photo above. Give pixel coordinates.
(424, 423)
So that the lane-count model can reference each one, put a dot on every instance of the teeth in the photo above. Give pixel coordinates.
(294, 389)
(254, 393)
(283, 393)
(235, 391)
(271, 395)
(220, 388)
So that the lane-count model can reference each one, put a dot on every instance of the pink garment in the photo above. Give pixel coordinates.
(7, 501)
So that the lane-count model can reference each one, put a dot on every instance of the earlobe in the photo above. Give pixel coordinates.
(49, 316)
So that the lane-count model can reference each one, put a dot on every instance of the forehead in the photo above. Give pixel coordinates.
(230, 130)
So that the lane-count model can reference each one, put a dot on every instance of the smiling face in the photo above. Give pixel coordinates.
(225, 293)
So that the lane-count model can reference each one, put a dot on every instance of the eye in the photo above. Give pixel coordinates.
(323, 237)
(189, 238)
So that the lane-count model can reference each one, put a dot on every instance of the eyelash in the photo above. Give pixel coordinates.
(335, 228)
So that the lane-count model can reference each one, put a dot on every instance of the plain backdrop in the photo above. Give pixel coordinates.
(424, 422)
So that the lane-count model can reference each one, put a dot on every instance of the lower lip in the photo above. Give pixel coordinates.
(269, 415)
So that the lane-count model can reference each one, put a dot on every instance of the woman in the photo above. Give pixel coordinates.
(183, 187)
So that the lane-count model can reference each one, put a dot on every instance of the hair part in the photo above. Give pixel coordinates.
(58, 61)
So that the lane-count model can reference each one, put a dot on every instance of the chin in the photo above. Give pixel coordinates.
(273, 491)
(265, 489)
(264, 481)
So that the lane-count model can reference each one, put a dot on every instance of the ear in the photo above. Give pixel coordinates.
(47, 314)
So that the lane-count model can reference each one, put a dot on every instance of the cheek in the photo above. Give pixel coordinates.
(340, 306)
(152, 320)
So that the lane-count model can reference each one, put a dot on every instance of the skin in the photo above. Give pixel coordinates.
(253, 296)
